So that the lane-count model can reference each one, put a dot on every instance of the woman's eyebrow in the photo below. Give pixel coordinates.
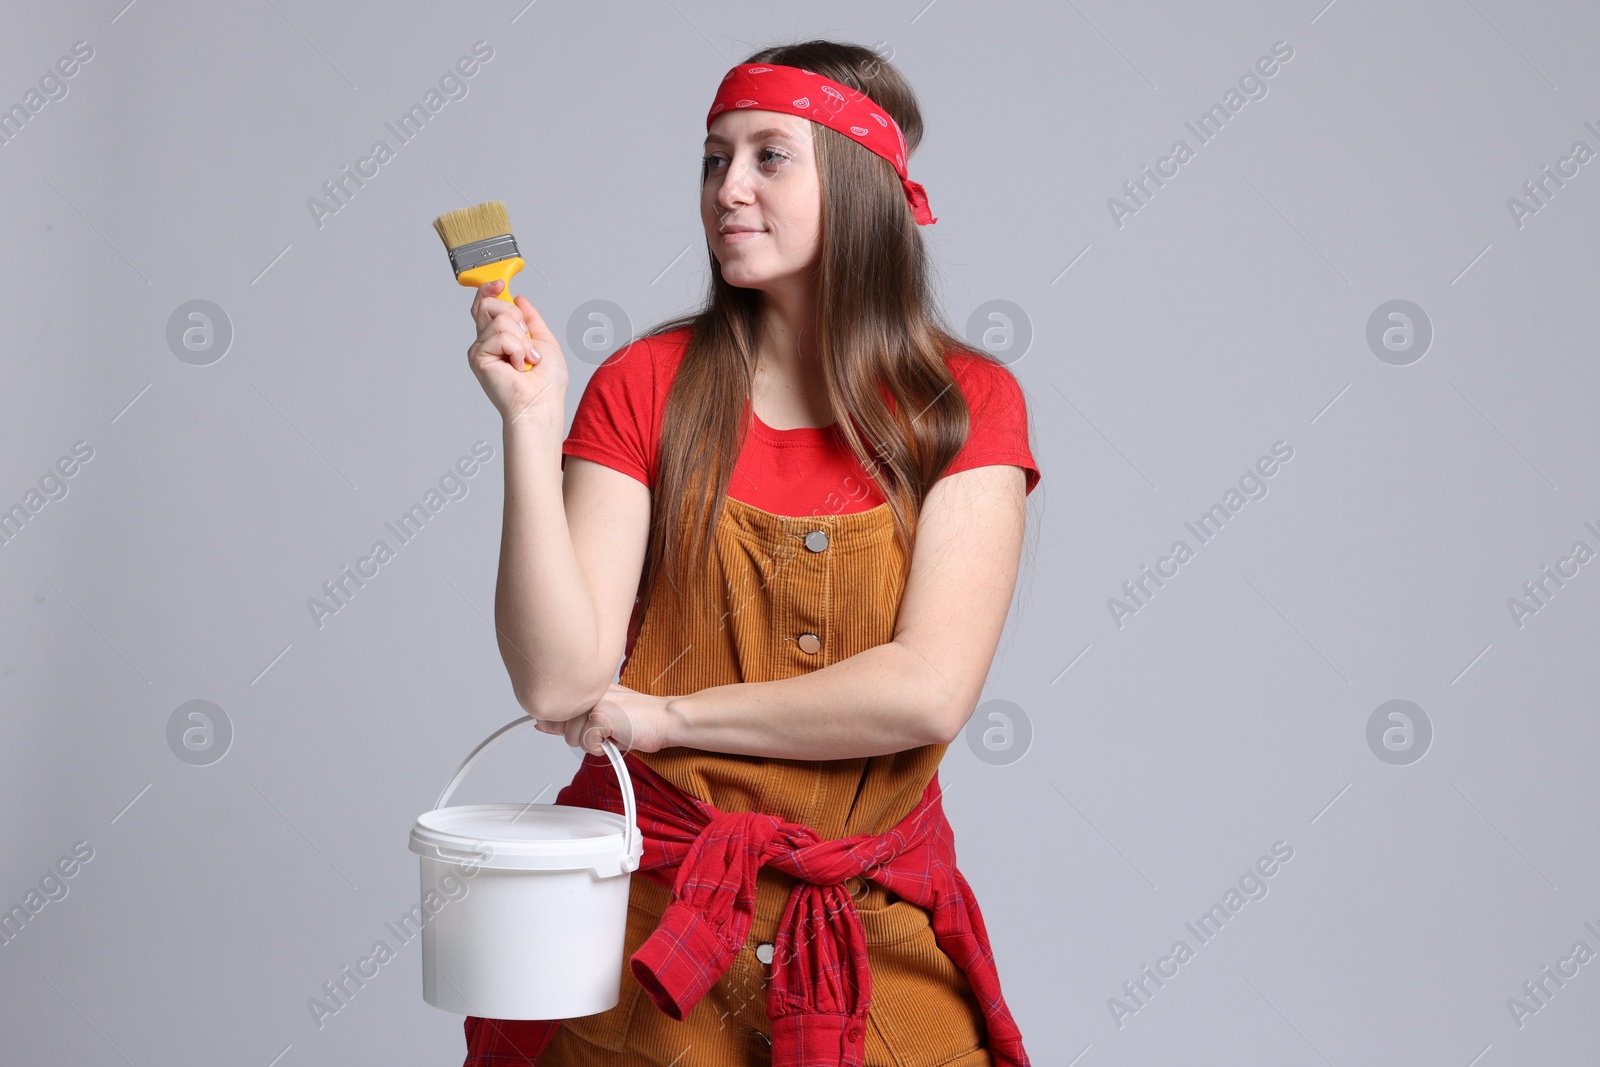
(759, 135)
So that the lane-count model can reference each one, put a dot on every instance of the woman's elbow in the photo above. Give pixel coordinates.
(946, 728)
(947, 714)
(538, 693)
(556, 703)
(941, 705)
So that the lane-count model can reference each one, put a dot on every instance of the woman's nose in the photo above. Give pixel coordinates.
(732, 194)
(737, 187)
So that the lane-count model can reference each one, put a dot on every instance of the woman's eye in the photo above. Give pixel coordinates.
(768, 156)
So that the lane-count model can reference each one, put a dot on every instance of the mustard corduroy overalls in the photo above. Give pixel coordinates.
(793, 594)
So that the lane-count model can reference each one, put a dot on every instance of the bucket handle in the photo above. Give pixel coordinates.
(630, 826)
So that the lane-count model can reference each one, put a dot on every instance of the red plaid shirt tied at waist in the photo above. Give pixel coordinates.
(821, 985)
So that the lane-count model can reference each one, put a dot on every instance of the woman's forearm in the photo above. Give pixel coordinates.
(884, 699)
(544, 611)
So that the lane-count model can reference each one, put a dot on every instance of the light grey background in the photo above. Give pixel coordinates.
(1168, 353)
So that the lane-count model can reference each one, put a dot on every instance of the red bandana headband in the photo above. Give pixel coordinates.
(797, 91)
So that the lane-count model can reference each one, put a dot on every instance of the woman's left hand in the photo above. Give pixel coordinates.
(634, 721)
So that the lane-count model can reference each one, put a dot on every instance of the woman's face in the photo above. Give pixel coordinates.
(761, 202)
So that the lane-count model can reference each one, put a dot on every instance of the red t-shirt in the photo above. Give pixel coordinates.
(804, 471)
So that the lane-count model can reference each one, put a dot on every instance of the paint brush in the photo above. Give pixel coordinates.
(481, 246)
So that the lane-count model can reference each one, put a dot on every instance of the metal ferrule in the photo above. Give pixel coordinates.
(488, 250)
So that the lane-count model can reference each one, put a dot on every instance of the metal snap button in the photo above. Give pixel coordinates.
(810, 644)
(764, 952)
(817, 540)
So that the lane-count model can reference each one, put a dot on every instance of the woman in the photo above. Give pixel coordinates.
(797, 517)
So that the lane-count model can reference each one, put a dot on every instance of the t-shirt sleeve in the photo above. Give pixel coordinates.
(615, 422)
(998, 424)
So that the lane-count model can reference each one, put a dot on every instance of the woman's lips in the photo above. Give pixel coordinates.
(738, 236)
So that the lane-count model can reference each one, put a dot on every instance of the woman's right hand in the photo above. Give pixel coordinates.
(508, 335)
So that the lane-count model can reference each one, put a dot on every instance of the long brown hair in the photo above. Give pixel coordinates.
(877, 322)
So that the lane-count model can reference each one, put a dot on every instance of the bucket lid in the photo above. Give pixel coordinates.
(526, 837)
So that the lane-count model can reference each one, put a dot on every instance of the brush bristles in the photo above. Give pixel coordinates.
(476, 223)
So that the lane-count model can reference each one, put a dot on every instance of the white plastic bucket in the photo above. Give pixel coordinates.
(534, 901)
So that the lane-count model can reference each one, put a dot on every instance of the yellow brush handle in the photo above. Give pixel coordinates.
(500, 269)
